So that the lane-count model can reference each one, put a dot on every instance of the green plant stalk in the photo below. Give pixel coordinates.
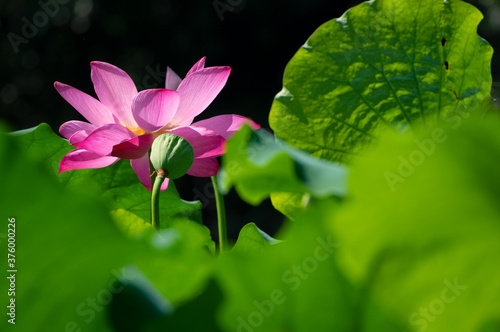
(221, 217)
(152, 179)
(155, 199)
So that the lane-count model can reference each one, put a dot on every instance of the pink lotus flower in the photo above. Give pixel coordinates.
(123, 123)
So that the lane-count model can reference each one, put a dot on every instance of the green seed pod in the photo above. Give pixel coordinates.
(172, 154)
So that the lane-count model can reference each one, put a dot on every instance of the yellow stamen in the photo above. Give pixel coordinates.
(137, 131)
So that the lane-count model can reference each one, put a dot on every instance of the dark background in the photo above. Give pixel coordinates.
(255, 37)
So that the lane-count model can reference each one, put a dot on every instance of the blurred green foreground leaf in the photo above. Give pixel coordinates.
(420, 254)
(71, 257)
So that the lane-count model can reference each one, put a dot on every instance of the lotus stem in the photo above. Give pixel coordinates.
(221, 217)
